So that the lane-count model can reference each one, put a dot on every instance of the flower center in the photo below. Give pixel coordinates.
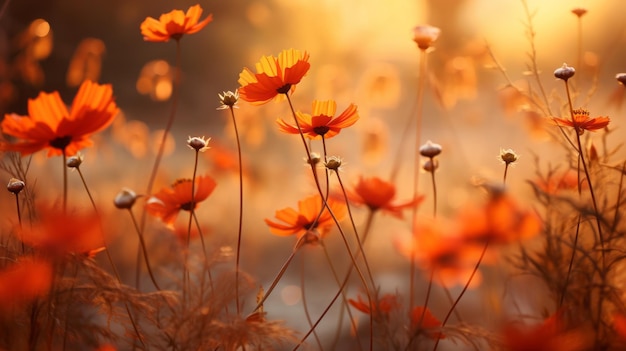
(187, 206)
(61, 142)
(321, 130)
(284, 89)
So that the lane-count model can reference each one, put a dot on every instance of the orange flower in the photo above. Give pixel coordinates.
(580, 121)
(387, 303)
(50, 125)
(174, 24)
(555, 182)
(549, 335)
(424, 320)
(23, 282)
(59, 232)
(378, 194)
(300, 221)
(274, 76)
(619, 324)
(321, 121)
(169, 201)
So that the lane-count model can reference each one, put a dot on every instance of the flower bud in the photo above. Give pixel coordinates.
(333, 163)
(198, 144)
(75, 161)
(430, 149)
(125, 199)
(431, 165)
(228, 100)
(621, 78)
(564, 72)
(15, 185)
(425, 36)
(508, 156)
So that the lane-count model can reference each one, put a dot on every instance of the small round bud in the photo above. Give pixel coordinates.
(621, 78)
(125, 199)
(333, 163)
(425, 36)
(75, 161)
(579, 11)
(198, 144)
(431, 165)
(228, 100)
(564, 72)
(15, 185)
(430, 149)
(508, 156)
(314, 159)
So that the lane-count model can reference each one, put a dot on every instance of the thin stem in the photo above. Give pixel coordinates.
(506, 168)
(571, 262)
(432, 177)
(144, 249)
(469, 281)
(191, 212)
(240, 226)
(304, 303)
(64, 182)
(19, 219)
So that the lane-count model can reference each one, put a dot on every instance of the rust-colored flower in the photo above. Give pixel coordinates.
(58, 232)
(274, 76)
(378, 194)
(422, 319)
(23, 282)
(381, 308)
(169, 201)
(51, 126)
(306, 217)
(174, 24)
(321, 122)
(581, 121)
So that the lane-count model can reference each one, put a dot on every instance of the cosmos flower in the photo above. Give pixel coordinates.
(306, 217)
(581, 121)
(321, 122)
(274, 76)
(423, 319)
(51, 126)
(174, 24)
(378, 194)
(384, 306)
(169, 201)
(23, 282)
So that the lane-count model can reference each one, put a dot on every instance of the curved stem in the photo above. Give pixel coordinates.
(240, 224)
(144, 250)
(304, 303)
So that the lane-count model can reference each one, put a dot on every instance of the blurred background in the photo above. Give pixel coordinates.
(361, 52)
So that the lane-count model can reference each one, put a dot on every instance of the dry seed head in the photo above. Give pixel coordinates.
(564, 72)
(430, 149)
(198, 144)
(15, 185)
(75, 161)
(579, 11)
(621, 78)
(333, 163)
(508, 156)
(431, 165)
(314, 159)
(425, 36)
(228, 99)
(125, 199)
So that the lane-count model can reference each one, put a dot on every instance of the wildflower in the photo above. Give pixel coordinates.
(425, 36)
(378, 194)
(15, 185)
(333, 163)
(508, 156)
(50, 125)
(423, 319)
(549, 335)
(169, 201)
(580, 121)
(430, 149)
(125, 199)
(228, 100)
(24, 281)
(75, 161)
(554, 183)
(198, 143)
(321, 121)
(58, 232)
(174, 24)
(306, 217)
(564, 72)
(274, 76)
(380, 308)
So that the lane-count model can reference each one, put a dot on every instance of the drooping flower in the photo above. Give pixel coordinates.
(274, 76)
(174, 24)
(169, 201)
(51, 126)
(306, 217)
(423, 320)
(378, 194)
(581, 121)
(321, 122)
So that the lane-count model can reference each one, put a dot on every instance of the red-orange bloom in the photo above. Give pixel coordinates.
(23, 282)
(50, 125)
(619, 324)
(274, 76)
(580, 121)
(169, 201)
(321, 122)
(549, 335)
(59, 232)
(424, 320)
(174, 24)
(386, 304)
(378, 194)
(306, 217)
